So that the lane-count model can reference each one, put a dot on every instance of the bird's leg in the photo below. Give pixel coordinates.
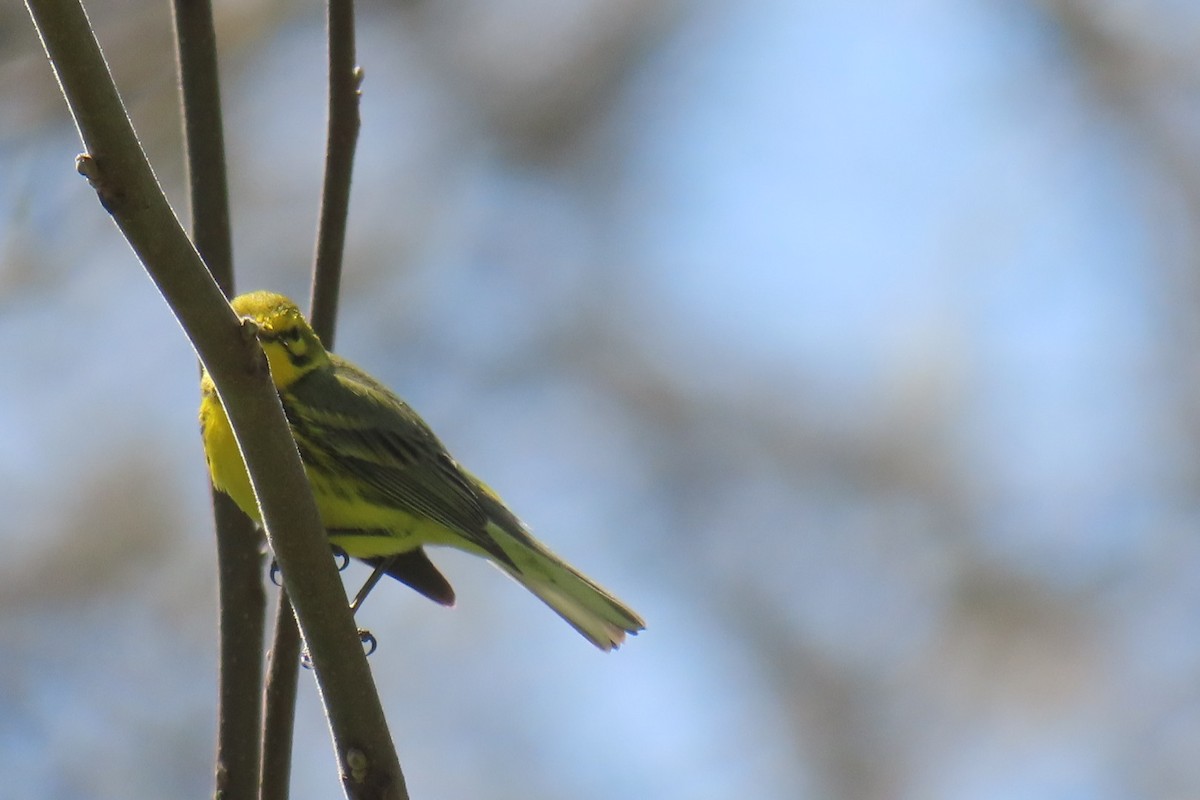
(364, 635)
(380, 570)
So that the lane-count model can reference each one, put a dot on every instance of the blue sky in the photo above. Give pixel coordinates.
(910, 235)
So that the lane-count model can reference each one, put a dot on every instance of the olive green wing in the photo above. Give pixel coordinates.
(345, 422)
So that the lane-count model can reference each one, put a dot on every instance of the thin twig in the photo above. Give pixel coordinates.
(279, 708)
(242, 602)
(341, 141)
(242, 620)
(345, 80)
(204, 137)
(125, 185)
(342, 134)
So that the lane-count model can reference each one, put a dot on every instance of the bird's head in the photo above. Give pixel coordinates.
(292, 347)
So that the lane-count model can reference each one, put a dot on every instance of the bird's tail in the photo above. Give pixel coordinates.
(591, 610)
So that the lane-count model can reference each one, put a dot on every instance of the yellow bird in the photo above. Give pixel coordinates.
(384, 485)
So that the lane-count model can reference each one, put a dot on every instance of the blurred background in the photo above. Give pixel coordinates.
(853, 344)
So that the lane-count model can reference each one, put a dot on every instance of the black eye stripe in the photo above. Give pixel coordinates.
(293, 342)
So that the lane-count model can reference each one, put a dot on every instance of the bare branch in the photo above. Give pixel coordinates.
(125, 184)
(341, 141)
(345, 79)
(242, 601)
(279, 711)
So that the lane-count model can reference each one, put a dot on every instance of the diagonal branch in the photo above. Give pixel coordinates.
(126, 186)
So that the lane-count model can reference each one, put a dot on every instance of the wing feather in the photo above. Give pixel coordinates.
(347, 423)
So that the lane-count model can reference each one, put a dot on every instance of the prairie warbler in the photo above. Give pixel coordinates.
(384, 485)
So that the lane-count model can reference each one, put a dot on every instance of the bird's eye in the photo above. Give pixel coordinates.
(292, 342)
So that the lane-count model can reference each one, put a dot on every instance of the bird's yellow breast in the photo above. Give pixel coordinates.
(225, 465)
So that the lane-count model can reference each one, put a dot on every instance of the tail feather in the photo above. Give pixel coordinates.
(601, 618)
(416, 570)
